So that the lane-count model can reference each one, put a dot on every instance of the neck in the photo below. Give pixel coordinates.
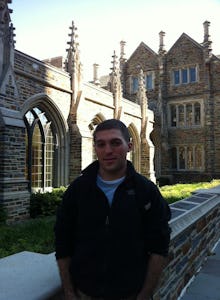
(112, 175)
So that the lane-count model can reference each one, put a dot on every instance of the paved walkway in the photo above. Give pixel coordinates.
(206, 284)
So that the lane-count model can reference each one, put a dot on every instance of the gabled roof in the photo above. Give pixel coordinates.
(186, 36)
(148, 49)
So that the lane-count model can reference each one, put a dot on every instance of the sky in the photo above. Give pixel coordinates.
(42, 26)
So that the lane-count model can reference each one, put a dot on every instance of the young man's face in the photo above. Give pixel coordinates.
(111, 149)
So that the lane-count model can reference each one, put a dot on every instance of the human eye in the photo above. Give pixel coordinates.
(116, 143)
(100, 144)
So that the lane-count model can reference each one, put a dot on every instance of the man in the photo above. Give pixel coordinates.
(112, 232)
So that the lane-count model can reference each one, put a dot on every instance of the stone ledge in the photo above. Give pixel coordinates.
(191, 209)
(29, 276)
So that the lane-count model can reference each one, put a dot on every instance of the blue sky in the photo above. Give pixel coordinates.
(42, 26)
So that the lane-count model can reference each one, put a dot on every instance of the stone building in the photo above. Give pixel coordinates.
(183, 91)
(47, 117)
(169, 100)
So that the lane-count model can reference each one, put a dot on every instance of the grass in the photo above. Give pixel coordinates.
(36, 235)
(173, 193)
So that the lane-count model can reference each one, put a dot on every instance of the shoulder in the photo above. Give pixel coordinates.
(144, 183)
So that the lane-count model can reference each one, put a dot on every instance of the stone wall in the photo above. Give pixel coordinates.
(195, 230)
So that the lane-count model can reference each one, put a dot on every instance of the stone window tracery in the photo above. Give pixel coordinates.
(40, 150)
(185, 115)
(188, 158)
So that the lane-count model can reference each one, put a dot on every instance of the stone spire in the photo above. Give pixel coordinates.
(207, 42)
(161, 64)
(7, 81)
(73, 64)
(115, 79)
(122, 61)
(142, 99)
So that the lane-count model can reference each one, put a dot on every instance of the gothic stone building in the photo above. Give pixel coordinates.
(170, 102)
(183, 91)
(47, 117)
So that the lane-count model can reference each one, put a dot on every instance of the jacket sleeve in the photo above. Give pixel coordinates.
(156, 216)
(64, 225)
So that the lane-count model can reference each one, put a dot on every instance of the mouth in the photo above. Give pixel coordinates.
(109, 159)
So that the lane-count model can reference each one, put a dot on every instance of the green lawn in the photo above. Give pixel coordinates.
(36, 235)
(173, 193)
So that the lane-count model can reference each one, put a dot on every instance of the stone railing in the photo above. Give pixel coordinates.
(195, 230)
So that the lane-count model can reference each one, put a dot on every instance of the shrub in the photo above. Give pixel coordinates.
(45, 204)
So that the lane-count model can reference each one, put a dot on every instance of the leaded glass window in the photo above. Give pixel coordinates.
(40, 149)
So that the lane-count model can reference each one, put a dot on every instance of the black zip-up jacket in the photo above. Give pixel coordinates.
(110, 246)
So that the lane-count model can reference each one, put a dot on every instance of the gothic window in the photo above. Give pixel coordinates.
(40, 150)
(189, 115)
(187, 158)
(36, 157)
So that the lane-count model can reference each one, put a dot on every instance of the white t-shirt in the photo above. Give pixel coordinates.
(109, 187)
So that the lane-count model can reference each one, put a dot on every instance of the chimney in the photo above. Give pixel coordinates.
(122, 44)
(207, 42)
(95, 74)
(206, 25)
(161, 46)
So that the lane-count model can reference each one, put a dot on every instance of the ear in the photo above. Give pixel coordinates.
(130, 146)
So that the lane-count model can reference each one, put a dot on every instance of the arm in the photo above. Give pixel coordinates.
(64, 229)
(155, 267)
(63, 264)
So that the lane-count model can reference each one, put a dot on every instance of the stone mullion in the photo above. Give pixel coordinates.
(177, 115)
(194, 157)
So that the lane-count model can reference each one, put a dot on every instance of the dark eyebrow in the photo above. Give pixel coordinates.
(113, 139)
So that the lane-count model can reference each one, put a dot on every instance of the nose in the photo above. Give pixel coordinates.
(108, 148)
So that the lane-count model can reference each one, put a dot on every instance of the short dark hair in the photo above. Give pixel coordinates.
(113, 124)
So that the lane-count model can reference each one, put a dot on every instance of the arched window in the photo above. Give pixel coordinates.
(40, 150)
